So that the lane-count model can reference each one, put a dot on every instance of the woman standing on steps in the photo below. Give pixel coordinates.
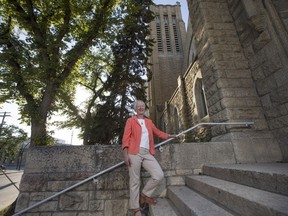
(138, 148)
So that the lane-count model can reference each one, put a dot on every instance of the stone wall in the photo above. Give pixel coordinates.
(180, 112)
(49, 170)
(262, 29)
(231, 91)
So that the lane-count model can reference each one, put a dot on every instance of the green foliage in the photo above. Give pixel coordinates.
(114, 73)
(93, 72)
(126, 82)
(41, 44)
(49, 48)
(10, 138)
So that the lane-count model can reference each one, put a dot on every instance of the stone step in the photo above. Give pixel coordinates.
(163, 208)
(269, 177)
(239, 198)
(188, 202)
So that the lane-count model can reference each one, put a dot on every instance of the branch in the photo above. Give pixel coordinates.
(65, 97)
(29, 20)
(65, 27)
(77, 51)
(21, 85)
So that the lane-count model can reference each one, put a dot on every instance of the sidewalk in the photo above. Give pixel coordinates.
(8, 192)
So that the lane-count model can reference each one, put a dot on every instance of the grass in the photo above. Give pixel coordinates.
(9, 210)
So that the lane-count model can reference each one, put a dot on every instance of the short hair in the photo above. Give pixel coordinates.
(137, 102)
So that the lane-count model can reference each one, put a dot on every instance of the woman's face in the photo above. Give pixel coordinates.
(140, 108)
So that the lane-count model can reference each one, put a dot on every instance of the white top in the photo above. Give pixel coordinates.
(144, 136)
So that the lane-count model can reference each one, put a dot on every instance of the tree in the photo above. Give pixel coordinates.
(10, 138)
(93, 72)
(126, 82)
(114, 77)
(41, 43)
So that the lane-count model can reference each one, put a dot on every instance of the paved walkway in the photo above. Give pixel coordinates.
(8, 192)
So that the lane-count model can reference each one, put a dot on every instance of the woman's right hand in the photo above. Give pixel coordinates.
(126, 157)
(127, 161)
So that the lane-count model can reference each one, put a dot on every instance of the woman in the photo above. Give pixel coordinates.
(138, 148)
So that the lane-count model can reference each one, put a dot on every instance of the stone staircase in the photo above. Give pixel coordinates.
(237, 189)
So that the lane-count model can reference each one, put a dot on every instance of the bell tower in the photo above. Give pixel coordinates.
(168, 32)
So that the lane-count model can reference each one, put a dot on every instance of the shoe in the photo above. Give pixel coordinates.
(146, 199)
(137, 212)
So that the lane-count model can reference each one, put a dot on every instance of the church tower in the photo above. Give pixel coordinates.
(168, 32)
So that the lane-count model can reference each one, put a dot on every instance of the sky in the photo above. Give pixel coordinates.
(67, 135)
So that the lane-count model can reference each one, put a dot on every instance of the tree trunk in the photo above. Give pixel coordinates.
(39, 136)
(38, 132)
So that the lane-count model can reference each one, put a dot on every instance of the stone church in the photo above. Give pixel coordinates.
(230, 66)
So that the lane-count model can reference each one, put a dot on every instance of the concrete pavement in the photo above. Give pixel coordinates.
(8, 192)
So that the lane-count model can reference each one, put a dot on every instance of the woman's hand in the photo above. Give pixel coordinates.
(126, 157)
(127, 161)
(172, 136)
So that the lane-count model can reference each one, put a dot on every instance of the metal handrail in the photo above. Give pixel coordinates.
(121, 163)
(204, 123)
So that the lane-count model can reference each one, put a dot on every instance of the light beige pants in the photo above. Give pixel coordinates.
(151, 165)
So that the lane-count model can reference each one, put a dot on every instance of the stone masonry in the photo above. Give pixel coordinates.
(263, 33)
(242, 60)
(49, 170)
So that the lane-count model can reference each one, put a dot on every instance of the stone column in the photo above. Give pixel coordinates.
(182, 92)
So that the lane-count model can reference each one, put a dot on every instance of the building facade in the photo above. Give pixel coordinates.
(234, 68)
(168, 30)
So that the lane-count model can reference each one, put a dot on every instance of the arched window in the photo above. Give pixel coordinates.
(200, 99)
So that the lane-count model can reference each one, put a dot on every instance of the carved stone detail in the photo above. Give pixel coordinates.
(258, 22)
(256, 14)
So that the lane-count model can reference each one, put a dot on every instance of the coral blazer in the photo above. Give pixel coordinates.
(132, 135)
